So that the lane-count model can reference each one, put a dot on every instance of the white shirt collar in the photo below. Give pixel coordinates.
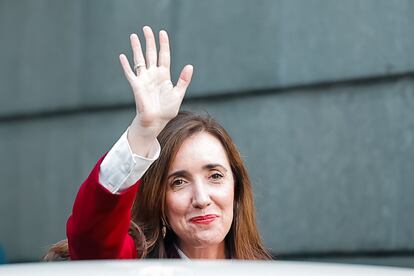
(181, 253)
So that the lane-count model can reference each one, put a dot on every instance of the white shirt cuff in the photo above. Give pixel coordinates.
(121, 168)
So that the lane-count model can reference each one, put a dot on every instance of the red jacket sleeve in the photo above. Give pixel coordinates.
(98, 226)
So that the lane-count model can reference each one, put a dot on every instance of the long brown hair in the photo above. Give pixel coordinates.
(148, 215)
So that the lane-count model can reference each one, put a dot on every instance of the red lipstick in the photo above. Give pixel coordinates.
(204, 219)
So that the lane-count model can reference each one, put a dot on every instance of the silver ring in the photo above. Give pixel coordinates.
(139, 65)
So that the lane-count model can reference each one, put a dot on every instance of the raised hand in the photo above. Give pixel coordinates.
(157, 100)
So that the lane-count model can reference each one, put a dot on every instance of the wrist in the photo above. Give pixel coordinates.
(141, 139)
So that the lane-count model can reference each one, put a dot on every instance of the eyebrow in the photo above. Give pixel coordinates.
(212, 166)
(179, 173)
(205, 167)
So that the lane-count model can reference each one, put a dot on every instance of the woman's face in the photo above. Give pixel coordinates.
(200, 192)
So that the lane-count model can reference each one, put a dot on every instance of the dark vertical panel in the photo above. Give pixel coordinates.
(40, 52)
(108, 25)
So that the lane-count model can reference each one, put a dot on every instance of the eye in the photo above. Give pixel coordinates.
(177, 183)
(216, 176)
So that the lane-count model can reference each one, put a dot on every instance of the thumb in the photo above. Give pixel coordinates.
(184, 79)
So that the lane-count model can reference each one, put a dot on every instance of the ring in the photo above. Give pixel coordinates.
(139, 65)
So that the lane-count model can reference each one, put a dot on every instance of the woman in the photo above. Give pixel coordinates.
(193, 199)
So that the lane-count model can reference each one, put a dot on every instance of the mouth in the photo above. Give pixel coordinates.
(207, 219)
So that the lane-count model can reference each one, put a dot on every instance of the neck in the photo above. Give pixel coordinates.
(216, 251)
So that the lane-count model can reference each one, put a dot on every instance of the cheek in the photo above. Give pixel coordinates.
(225, 200)
(230, 205)
(230, 200)
(175, 207)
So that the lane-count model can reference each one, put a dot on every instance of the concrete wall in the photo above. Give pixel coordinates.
(318, 95)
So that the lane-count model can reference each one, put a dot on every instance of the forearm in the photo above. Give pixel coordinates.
(98, 226)
(123, 166)
(141, 139)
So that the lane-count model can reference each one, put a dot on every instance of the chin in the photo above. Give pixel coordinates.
(208, 239)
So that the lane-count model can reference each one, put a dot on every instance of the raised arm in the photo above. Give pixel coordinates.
(98, 226)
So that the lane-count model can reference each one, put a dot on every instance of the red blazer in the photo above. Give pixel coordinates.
(98, 226)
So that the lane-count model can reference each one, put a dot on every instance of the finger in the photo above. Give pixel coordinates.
(151, 48)
(129, 74)
(164, 56)
(184, 79)
(137, 50)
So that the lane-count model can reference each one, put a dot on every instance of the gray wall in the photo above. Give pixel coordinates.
(318, 95)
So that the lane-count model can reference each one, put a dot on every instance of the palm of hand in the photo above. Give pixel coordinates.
(155, 95)
(157, 100)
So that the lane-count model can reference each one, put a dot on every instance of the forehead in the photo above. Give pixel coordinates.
(199, 149)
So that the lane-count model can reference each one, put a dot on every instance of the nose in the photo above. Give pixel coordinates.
(201, 197)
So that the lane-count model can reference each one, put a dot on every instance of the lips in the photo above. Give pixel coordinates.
(204, 219)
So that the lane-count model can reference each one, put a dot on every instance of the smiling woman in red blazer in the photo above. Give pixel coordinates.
(173, 185)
